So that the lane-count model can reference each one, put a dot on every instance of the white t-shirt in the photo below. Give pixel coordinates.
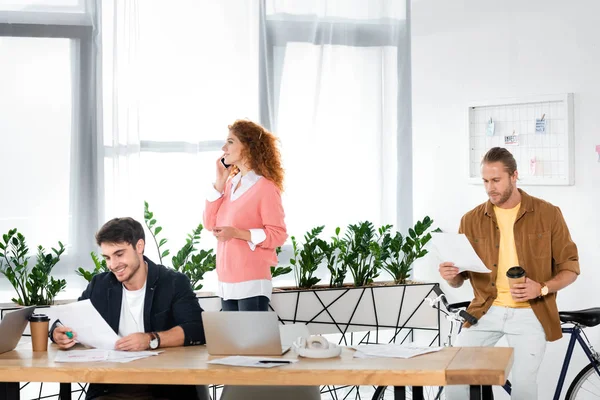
(132, 311)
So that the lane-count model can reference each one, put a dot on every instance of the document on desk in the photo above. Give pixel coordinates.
(98, 355)
(392, 350)
(254, 362)
(456, 248)
(91, 329)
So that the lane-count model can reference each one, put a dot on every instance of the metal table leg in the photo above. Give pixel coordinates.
(9, 390)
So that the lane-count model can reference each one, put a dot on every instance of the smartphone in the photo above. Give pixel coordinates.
(223, 162)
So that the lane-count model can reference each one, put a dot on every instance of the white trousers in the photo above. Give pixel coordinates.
(523, 332)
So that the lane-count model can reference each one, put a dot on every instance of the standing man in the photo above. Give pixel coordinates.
(148, 305)
(514, 229)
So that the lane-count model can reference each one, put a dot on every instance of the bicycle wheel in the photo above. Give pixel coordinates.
(387, 393)
(586, 384)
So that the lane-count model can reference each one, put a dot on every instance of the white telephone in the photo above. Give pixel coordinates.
(316, 347)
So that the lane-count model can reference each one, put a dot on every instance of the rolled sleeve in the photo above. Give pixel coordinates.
(564, 250)
(213, 194)
(257, 236)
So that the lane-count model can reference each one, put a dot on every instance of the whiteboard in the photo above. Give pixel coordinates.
(544, 151)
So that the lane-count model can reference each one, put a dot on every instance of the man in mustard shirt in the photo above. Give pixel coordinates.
(514, 229)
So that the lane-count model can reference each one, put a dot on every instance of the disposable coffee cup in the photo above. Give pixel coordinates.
(515, 275)
(38, 324)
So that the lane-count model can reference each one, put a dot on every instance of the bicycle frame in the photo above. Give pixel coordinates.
(576, 336)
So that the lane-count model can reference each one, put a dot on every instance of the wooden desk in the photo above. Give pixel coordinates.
(187, 366)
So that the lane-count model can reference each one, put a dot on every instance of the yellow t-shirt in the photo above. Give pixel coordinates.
(507, 256)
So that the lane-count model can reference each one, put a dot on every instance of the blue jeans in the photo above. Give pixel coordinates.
(256, 303)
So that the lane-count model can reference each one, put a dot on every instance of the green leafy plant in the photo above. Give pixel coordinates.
(189, 260)
(279, 271)
(99, 267)
(192, 262)
(334, 252)
(155, 230)
(306, 260)
(364, 252)
(400, 253)
(34, 286)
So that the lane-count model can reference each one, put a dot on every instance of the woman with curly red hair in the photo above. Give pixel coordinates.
(245, 214)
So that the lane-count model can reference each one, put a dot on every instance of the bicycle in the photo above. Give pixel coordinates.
(586, 385)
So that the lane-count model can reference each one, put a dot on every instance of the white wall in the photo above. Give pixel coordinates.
(483, 49)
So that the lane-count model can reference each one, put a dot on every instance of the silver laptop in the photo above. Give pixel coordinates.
(12, 326)
(243, 333)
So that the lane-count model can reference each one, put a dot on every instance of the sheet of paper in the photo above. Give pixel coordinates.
(254, 362)
(392, 350)
(92, 330)
(97, 355)
(456, 248)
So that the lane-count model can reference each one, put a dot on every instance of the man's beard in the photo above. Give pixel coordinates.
(505, 195)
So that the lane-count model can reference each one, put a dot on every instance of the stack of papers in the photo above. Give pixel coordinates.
(94, 355)
(392, 350)
(255, 362)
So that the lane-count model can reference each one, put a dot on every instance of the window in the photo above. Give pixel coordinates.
(47, 137)
(333, 83)
(36, 125)
(196, 71)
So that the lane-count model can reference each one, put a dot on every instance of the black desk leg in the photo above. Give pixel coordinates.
(417, 393)
(481, 393)
(399, 393)
(475, 392)
(487, 393)
(9, 390)
(65, 391)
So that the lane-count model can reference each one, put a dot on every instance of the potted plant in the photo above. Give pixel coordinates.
(34, 286)
(189, 260)
(400, 253)
(365, 305)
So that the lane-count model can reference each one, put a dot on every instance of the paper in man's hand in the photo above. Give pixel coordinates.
(456, 248)
(91, 329)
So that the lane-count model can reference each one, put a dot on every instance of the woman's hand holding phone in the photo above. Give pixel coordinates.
(222, 174)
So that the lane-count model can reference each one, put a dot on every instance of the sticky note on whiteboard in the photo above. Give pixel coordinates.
(511, 140)
(598, 151)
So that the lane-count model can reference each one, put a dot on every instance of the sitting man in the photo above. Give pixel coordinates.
(148, 305)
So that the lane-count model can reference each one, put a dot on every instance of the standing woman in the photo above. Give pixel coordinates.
(245, 214)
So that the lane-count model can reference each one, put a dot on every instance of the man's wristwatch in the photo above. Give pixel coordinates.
(544, 290)
(154, 341)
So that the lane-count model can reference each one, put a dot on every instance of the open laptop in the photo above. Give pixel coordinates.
(243, 333)
(12, 326)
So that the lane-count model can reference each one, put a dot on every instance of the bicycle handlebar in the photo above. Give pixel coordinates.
(462, 313)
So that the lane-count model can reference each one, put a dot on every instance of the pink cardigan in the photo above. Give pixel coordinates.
(259, 207)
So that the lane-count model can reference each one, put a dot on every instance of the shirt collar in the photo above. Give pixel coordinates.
(250, 177)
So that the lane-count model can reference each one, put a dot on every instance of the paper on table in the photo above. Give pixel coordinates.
(255, 362)
(456, 248)
(95, 355)
(92, 330)
(392, 350)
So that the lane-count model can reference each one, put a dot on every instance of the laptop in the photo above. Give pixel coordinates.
(243, 333)
(12, 327)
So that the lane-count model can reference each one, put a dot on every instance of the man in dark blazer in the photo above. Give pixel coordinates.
(148, 305)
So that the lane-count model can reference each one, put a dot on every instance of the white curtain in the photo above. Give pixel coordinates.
(120, 111)
(339, 98)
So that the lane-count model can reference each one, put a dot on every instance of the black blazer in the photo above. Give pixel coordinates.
(169, 302)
